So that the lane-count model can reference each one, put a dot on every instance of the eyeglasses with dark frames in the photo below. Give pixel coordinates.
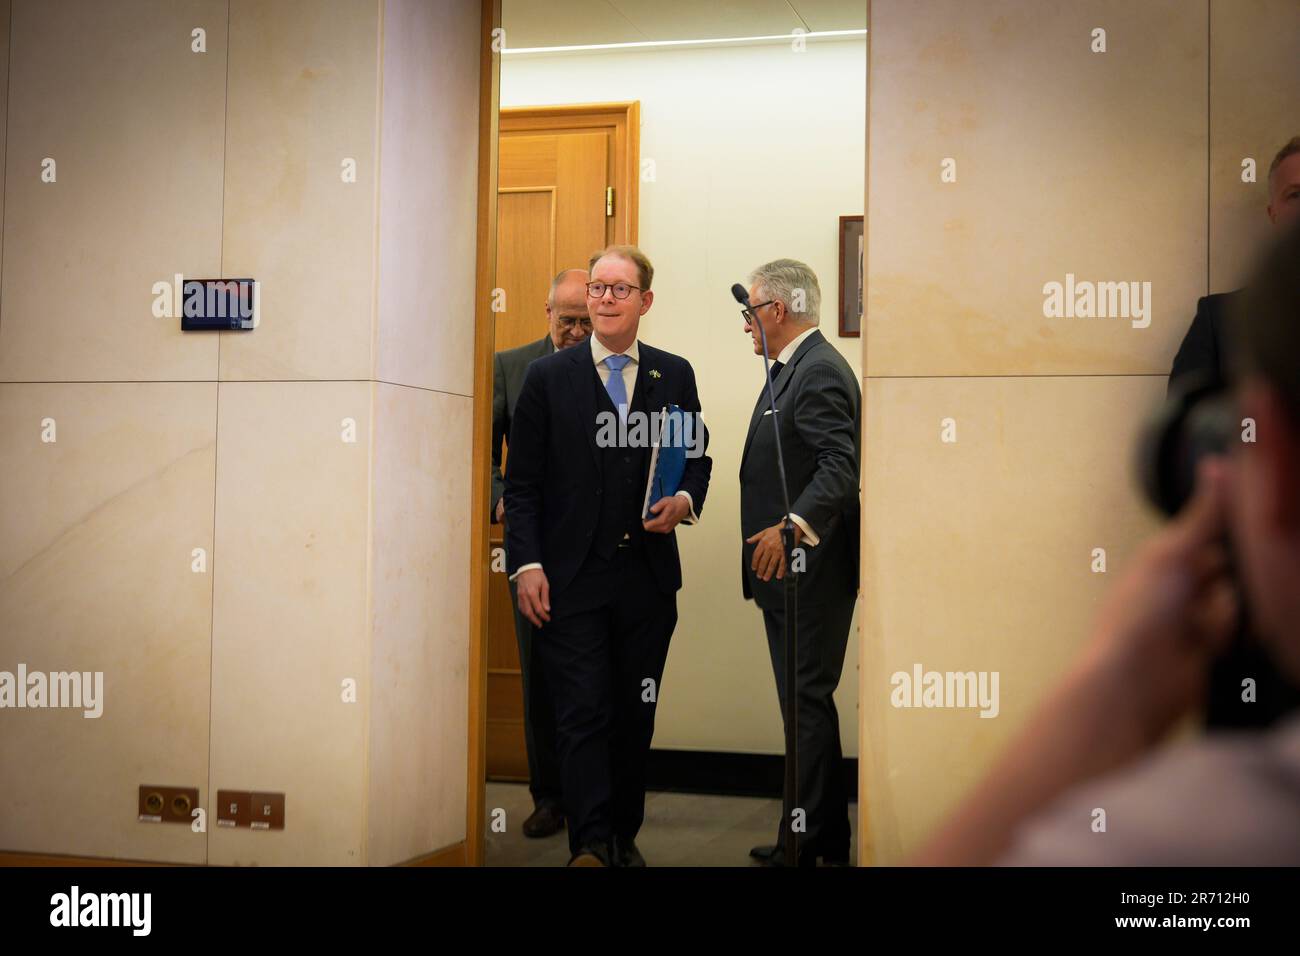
(751, 313)
(621, 290)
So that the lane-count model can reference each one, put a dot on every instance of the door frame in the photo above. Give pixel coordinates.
(489, 111)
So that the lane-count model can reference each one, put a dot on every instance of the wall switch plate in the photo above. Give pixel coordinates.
(234, 808)
(257, 811)
(268, 811)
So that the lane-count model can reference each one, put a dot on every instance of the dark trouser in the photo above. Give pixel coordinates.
(823, 795)
(608, 634)
(539, 716)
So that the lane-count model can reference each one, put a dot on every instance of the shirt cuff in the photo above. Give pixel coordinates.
(809, 535)
(692, 518)
(525, 567)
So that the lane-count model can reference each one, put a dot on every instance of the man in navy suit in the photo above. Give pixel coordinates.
(1204, 352)
(596, 578)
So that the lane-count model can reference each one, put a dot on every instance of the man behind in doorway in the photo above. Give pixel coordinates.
(1227, 798)
(1204, 358)
(567, 325)
(819, 415)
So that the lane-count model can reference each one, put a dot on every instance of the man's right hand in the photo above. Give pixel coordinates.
(534, 596)
(501, 509)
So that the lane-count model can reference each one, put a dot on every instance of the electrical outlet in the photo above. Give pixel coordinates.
(163, 804)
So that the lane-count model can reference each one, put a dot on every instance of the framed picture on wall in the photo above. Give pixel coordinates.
(852, 276)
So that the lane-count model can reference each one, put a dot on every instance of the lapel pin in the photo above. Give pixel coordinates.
(654, 373)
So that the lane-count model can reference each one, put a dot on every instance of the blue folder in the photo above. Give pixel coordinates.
(668, 456)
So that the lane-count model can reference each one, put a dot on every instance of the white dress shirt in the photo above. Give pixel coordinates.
(598, 355)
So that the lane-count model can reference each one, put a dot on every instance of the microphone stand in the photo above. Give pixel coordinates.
(791, 597)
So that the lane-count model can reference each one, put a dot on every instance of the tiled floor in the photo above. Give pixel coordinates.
(680, 829)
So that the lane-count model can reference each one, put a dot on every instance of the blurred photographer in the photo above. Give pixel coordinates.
(1098, 742)
(1204, 360)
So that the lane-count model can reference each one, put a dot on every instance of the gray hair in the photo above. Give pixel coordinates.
(555, 283)
(792, 283)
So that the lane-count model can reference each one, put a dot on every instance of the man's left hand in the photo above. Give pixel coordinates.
(668, 514)
(769, 555)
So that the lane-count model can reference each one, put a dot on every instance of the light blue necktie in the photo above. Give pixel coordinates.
(615, 387)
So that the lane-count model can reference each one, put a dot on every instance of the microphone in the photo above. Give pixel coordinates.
(790, 594)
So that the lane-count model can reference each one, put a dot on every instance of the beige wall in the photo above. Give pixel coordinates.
(977, 553)
(327, 560)
(422, 404)
(757, 152)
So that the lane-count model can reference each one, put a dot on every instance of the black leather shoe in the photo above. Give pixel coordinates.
(808, 857)
(765, 852)
(592, 854)
(546, 820)
(626, 853)
(777, 858)
(839, 858)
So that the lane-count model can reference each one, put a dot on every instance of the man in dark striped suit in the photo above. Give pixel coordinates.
(819, 415)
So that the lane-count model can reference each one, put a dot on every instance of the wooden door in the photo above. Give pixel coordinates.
(567, 181)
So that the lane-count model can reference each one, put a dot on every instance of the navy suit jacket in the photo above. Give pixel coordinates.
(1204, 352)
(819, 405)
(556, 466)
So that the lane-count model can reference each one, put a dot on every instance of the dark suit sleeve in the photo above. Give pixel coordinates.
(500, 425)
(824, 418)
(695, 478)
(1199, 353)
(524, 480)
